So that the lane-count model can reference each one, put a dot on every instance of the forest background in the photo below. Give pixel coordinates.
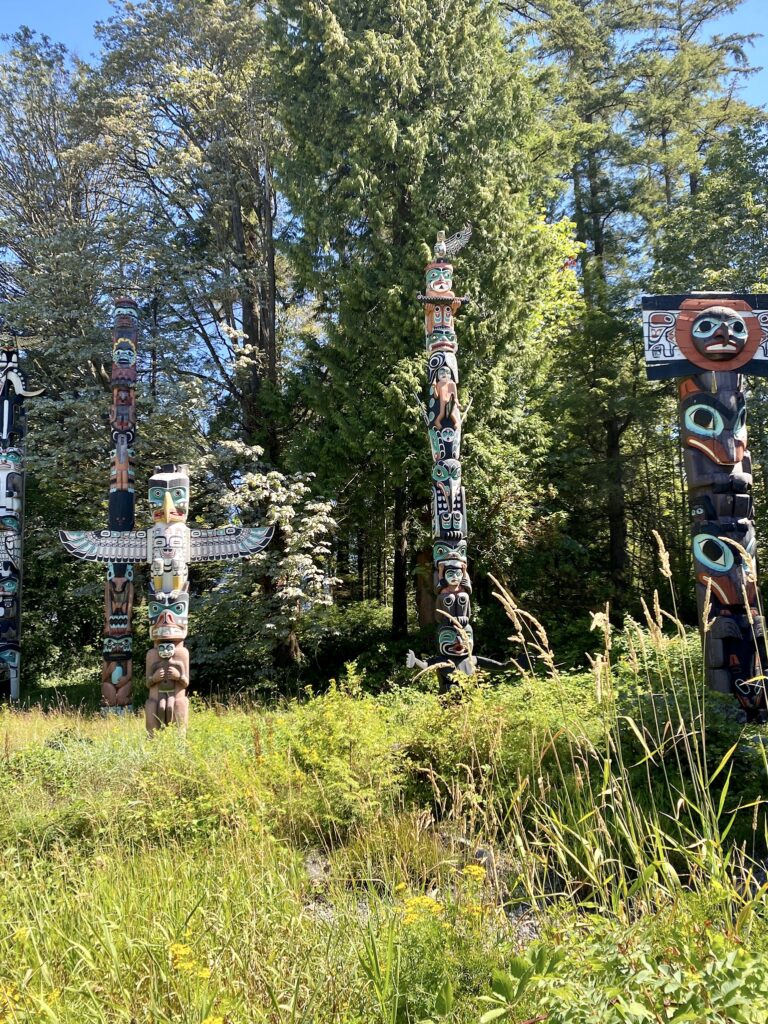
(266, 182)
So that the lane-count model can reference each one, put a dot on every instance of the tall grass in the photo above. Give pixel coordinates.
(650, 805)
(349, 858)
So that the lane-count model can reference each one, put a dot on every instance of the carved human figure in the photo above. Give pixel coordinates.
(168, 679)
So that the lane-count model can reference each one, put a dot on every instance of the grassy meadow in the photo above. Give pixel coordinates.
(581, 847)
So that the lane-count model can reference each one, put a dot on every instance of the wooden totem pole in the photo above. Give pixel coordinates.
(443, 420)
(117, 667)
(168, 547)
(13, 428)
(710, 339)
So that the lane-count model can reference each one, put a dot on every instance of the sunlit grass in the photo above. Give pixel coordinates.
(376, 859)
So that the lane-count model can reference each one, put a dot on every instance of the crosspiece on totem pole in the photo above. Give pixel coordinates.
(12, 441)
(117, 664)
(443, 417)
(709, 340)
(169, 546)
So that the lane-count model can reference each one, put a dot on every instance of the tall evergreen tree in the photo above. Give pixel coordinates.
(403, 119)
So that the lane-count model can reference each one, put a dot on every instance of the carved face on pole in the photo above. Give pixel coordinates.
(719, 333)
(169, 616)
(169, 495)
(715, 336)
(715, 425)
(124, 360)
(453, 642)
(723, 567)
(439, 278)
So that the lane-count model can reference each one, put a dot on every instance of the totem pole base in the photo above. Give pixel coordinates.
(449, 677)
(125, 709)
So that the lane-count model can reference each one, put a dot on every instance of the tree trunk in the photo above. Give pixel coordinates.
(425, 593)
(361, 564)
(617, 515)
(400, 570)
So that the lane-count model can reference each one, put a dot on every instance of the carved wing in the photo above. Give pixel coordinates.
(228, 543)
(457, 242)
(106, 545)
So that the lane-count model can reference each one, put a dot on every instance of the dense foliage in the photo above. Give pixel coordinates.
(266, 180)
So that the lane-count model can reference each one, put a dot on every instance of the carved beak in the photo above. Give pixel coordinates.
(168, 507)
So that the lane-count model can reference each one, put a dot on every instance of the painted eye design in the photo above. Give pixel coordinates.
(155, 609)
(156, 495)
(740, 427)
(712, 553)
(738, 328)
(704, 420)
(707, 326)
(179, 609)
(179, 494)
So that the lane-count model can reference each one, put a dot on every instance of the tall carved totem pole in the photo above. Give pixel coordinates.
(710, 339)
(117, 666)
(13, 429)
(443, 420)
(168, 547)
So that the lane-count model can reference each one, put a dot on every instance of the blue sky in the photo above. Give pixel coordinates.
(72, 24)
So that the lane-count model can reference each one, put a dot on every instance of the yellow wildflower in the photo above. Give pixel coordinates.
(474, 873)
(213, 1020)
(186, 966)
(400, 887)
(419, 908)
(204, 972)
(179, 951)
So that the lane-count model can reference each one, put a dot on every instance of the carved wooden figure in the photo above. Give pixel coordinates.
(710, 339)
(13, 391)
(168, 547)
(443, 420)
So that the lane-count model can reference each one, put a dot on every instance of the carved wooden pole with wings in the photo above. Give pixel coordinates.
(168, 547)
(443, 418)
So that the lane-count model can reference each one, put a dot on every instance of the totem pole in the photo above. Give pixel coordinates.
(12, 434)
(442, 416)
(710, 339)
(168, 547)
(117, 666)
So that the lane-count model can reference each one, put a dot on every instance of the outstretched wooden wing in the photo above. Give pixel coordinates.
(228, 543)
(106, 545)
(456, 242)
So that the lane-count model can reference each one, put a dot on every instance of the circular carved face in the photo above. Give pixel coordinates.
(717, 337)
(719, 333)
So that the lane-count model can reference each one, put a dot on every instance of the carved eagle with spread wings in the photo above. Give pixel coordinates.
(133, 546)
(450, 246)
